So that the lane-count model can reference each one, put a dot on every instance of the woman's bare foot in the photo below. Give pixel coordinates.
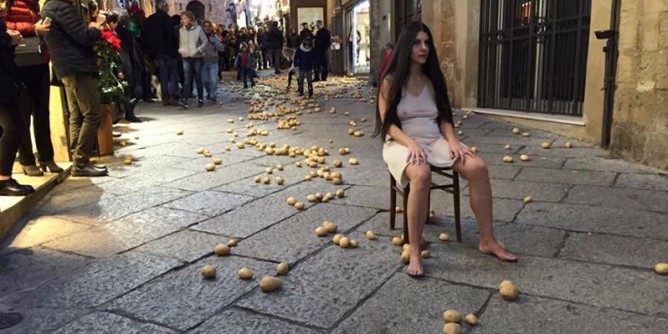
(415, 267)
(497, 249)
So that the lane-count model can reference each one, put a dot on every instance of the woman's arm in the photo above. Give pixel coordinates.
(416, 154)
(457, 150)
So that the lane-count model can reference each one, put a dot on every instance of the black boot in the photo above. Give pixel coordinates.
(51, 167)
(12, 188)
(87, 170)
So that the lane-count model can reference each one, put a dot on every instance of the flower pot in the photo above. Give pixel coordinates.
(105, 138)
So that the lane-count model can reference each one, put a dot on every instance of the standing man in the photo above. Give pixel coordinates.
(210, 70)
(323, 40)
(276, 43)
(306, 32)
(160, 44)
(70, 44)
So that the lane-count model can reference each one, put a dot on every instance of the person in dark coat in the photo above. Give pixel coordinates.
(11, 121)
(129, 69)
(304, 62)
(70, 44)
(323, 40)
(276, 43)
(293, 39)
(160, 43)
(265, 47)
(306, 32)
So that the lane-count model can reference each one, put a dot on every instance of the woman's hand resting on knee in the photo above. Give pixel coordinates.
(416, 155)
(459, 152)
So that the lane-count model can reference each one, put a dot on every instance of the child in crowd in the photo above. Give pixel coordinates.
(289, 54)
(304, 62)
(245, 63)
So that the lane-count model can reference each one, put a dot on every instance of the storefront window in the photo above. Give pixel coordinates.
(359, 29)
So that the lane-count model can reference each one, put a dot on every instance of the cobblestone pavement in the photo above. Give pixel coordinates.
(122, 254)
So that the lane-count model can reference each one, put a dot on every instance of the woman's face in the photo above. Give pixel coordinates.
(420, 50)
(185, 20)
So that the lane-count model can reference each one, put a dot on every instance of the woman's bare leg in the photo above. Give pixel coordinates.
(419, 177)
(474, 171)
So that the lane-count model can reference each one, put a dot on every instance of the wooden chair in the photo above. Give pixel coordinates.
(450, 187)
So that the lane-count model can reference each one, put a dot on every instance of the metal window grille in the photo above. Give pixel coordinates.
(533, 55)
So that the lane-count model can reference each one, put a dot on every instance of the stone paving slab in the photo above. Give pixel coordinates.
(529, 315)
(519, 189)
(605, 164)
(67, 200)
(259, 214)
(40, 230)
(635, 199)
(109, 323)
(502, 172)
(583, 218)
(238, 321)
(249, 187)
(588, 283)
(531, 240)
(99, 282)
(210, 203)
(321, 290)
(610, 249)
(207, 180)
(504, 210)
(643, 181)
(294, 238)
(39, 320)
(186, 245)
(142, 180)
(196, 163)
(566, 176)
(196, 299)
(371, 197)
(126, 233)
(407, 305)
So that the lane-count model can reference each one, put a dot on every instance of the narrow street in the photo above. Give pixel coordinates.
(123, 253)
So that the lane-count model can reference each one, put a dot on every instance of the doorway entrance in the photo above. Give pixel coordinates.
(197, 8)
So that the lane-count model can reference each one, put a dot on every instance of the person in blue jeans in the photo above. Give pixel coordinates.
(304, 62)
(191, 45)
(212, 46)
(246, 62)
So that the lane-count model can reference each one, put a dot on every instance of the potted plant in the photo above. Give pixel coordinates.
(110, 88)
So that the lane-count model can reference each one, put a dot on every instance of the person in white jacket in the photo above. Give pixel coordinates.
(192, 42)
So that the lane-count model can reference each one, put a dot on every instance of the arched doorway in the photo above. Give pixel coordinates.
(197, 8)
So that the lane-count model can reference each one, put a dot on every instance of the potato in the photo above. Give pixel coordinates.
(371, 235)
(337, 181)
(507, 147)
(199, 150)
(471, 319)
(311, 198)
(406, 247)
(269, 170)
(246, 273)
(353, 244)
(452, 328)
(508, 291)
(525, 157)
(298, 164)
(331, 140)
(425, 254)
(320, 231)
(179, 133)
(516, 131)
(128, 161)
(330, 227)
(398, 209)
(207, 154)
(308, 177)
(397, 241)
(208, 271)
(210, 167)
(340, 193)
(568, 144)
(282, 268)
(545, 145)
(507, 159)
(452, 316)
(319, 196)
(528, 199)
(444, 237)
(344, 242)
(266, 180)
(405, 257)
(279, 167)
(221, 250)
(337, 238)
(526, 134)
(258, 179)
(217, 161)
(353, 161)
(124, 143)
(269, 284)
(232, 243)
(292, 200)
(505, 282)
(661, 268)
(474, 149)
(280, 180)
(336, 175)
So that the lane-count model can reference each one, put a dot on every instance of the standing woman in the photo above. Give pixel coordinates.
(414, 119)
(11, 121)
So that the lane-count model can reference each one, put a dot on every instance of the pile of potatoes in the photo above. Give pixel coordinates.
(452, 318)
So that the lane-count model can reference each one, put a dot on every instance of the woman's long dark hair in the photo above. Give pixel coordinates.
(399, 70)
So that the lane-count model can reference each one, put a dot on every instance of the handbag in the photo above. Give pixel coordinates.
(29, 52)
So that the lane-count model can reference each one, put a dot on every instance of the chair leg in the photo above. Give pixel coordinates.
(406, 193)
(393, 202)
(455, 188)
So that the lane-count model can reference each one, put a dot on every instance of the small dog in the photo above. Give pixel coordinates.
(155, 83)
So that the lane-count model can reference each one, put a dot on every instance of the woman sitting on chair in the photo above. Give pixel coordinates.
(415, 120)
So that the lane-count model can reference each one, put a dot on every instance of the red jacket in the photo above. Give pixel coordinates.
(22, 17)
(386, 63)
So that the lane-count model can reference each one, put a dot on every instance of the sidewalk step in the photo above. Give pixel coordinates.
(13, 208)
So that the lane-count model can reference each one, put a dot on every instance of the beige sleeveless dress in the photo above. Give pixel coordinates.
(418, 116)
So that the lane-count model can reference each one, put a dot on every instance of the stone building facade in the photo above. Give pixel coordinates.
(639, 129)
